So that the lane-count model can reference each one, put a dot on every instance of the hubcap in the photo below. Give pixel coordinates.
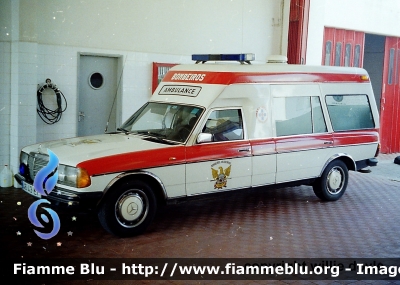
(131, 208)
(335, 180)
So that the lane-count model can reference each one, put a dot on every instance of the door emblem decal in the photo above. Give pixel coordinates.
(220, 174)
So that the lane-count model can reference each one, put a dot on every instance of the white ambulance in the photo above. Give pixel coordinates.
(215, 126)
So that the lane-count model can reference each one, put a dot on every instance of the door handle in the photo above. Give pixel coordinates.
(243, 149)
(81, 115)
(328, 142)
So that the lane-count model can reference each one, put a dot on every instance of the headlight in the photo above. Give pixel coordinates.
(72, 176)
(23, 166)
(23, 158)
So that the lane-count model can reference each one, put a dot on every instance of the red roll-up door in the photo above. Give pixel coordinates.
(343, 47)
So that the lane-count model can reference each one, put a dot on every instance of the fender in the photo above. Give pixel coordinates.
(349, 161)
(122, 175)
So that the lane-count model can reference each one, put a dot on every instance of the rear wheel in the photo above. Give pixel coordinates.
(333, 181)
(128, 208)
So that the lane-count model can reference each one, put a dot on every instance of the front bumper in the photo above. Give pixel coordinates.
(64, 197)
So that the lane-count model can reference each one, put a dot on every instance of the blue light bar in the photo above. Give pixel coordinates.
(242, 57)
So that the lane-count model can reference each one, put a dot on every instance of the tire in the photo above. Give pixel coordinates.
(128, 209)
(333, 182)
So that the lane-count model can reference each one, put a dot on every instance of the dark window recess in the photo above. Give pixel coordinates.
(357, 50)
(338, 53)
(347, 55)
(96, 80)
(391, 65)
(328, 47)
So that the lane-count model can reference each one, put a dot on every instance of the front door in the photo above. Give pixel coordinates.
(225, 162)
(97, 81)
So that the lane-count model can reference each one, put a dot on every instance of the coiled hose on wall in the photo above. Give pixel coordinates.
(47, 115)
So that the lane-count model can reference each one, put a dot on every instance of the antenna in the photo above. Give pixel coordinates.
(116, 92)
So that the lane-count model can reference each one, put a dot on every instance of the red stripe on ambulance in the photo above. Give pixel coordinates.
(135, 160)
(227, 78)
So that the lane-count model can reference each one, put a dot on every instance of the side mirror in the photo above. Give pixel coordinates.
(204, 137)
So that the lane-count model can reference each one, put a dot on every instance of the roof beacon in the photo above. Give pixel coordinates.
(241, 57)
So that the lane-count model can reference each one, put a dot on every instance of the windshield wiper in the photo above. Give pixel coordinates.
(123, 130)
(156, 137)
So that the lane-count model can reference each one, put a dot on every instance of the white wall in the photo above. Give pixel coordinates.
(369, 16)
(155, 26)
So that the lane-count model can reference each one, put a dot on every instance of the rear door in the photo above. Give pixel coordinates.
(301, 131)
(97, 94)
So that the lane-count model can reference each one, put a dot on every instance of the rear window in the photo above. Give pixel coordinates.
(349, 112)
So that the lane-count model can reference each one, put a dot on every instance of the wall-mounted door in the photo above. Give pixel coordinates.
(97, 79)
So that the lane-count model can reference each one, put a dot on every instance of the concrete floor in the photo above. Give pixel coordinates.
(254, 223)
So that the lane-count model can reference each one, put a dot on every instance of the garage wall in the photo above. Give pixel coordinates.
(42, 39)
(156, 26)
(369, 16)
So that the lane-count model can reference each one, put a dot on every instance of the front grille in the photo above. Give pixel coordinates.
(36, 161)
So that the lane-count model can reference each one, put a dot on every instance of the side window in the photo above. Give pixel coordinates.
(295, 117)
(300, 115)
(225, 125)
(349, 112)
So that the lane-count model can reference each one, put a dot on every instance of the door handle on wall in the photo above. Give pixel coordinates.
(81, 115)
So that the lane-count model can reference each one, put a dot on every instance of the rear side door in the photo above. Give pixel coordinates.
(302, 137)
(223, 163)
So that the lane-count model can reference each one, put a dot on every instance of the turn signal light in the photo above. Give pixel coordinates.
(83, 179)
(364, 77)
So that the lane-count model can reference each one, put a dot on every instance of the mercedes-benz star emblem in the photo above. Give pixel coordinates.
(132, 208)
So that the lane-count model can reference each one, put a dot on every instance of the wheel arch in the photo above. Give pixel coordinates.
(346, 158)
(154, 182)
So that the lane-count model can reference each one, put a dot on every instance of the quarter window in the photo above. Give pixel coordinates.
(225, 125)
(349, 112)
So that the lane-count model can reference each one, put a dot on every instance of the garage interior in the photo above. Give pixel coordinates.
(264, 222)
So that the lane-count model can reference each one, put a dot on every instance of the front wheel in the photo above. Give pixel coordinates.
(128, 209)
(333, 181)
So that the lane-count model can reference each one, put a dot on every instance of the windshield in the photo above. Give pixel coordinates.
(163, 121)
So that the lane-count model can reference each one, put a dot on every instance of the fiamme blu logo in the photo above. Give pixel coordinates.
(44, 183)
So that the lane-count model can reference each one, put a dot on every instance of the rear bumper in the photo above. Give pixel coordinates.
(65, 197)
(366, 162)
